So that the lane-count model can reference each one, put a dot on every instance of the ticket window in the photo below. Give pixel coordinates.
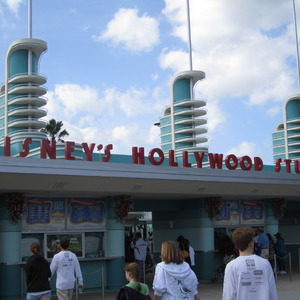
(27, 240)
(52, 247)
(94, 245)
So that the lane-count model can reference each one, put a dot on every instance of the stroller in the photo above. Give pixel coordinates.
(219, 272)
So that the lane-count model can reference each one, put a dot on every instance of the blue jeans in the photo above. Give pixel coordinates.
(141, 264)
(36, 296)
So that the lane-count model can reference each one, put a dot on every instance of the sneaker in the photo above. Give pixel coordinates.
(282, 272)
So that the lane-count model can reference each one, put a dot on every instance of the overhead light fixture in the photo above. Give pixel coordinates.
(59, 185)
(137, 187)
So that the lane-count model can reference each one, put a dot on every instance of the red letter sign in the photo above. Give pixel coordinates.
(297, 166)
(7, 146)
(160, 158)
(215, 159)
(26, 147)
(249, 163)
(288, 165)
(235, 162)
(138, 157)
(48, 148)
(68, 150)
(172, 162)
(199, 158)
(107, 155)
(88, 150)
(278, 166)
(258, 164)
(185, 159)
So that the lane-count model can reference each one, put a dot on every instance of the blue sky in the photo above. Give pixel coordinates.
(109, 65)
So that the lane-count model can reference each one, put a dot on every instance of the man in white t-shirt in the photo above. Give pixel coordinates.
(140, 252)
(248, 277)
(192, 256)
(65, 263)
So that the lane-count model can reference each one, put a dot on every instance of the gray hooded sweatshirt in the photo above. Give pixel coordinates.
(175, 282)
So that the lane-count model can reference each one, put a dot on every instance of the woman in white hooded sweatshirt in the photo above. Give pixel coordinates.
(174, 279)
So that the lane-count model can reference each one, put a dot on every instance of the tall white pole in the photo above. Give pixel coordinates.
(29, 19)
(190, 47)
(189, 34)
(297, 47)
(29, 36)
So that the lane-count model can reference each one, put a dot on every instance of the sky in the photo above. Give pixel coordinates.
(109, 65)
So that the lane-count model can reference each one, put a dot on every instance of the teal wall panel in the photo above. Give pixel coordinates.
(181, 90)
(293, 109)
(18, 62)
(10, 283)
(115, 274)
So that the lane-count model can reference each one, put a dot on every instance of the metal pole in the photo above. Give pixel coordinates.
(102, 283)
(76, 289)
(299, 258)
(29, 19)
(275, 266)
(190, 46)
(189, 34)
(22, 283)
(144, 271)
(296, 35)
(290, 265)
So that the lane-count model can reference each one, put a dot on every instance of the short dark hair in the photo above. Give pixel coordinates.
(242, 237)
(64, 242)
(180, 239)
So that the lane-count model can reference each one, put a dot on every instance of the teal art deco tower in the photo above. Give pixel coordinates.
(286, 138)
(182, 124)
(22, 93)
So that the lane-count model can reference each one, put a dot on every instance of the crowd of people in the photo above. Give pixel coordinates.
(248, 276)
(265, 247)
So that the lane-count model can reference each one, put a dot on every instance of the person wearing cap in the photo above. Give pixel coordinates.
(280, 251)
(263, 243)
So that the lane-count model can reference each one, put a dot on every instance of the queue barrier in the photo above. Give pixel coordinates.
(78, 291)
(299, 258)
(290, 264)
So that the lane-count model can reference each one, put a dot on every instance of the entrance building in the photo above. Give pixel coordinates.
(51, 189)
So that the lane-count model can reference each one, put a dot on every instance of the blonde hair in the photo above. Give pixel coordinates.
(170, 253)
(134, 270)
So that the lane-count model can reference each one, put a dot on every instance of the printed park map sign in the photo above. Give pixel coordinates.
(229, 213)
(252, 212)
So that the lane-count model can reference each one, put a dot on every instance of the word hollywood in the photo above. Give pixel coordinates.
(156, 156)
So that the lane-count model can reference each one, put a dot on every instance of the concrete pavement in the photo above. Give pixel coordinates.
(287, 289)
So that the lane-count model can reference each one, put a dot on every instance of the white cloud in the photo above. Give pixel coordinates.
(243, 50)
(155, 76)
(70, 99)
(122, 119)
(274, 110)
(123, 137)
(137, 34)
(177, 60)
(215, 116)
(13, 5)
(245, 148)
